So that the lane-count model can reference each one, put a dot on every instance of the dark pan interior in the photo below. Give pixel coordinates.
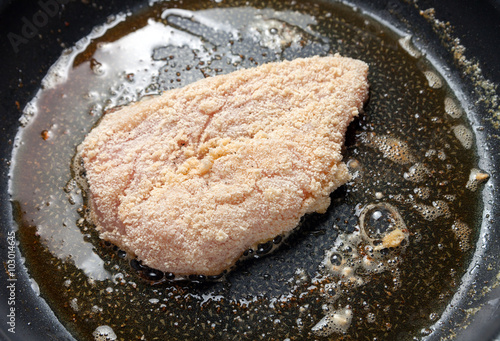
(476, 23)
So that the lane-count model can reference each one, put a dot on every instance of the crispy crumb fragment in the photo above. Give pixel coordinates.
(394, 238)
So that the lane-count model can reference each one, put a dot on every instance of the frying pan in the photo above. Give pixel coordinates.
(24, 62)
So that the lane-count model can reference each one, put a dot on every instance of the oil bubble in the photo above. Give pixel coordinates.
(433, 79)
(95, 309)
(430, 153)
(450, 197)
(74, 304)
(382, 226)
(378, 222)
(452, 108)
(336, 259)
(58, 73)
(392, 148)
(275, 35)
(439, 208)
(462, 233)
(417, 173)
(104, 333)
(96, 110)
(355, 257)
(337, 321)
(464, 135)
(422, 192)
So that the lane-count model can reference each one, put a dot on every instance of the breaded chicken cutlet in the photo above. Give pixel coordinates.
(189, 180)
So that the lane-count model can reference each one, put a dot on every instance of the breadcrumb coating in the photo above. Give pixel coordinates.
(189, 180)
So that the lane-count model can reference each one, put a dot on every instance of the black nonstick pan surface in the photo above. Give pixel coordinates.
(460, 38)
